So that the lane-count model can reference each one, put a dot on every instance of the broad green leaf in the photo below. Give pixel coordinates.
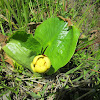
(22, 48)
(26, 41)
(58, 40)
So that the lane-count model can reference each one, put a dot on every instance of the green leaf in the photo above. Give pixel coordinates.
(1, 87)
(26, 41)
(58, 40)
(22, 48)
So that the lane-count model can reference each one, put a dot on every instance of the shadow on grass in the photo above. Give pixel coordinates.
(79, 93)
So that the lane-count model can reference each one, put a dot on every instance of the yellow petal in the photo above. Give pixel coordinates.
(33, 68)
(40, 69)
(40, 64)
(36, 58)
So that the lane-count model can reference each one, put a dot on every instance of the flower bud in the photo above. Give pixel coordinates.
(40, 64)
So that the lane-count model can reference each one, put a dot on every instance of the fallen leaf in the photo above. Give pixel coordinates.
(94, 34)
(8, 60)
(3, 40)
(37, 88)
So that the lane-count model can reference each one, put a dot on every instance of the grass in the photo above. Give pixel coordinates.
(80, 78)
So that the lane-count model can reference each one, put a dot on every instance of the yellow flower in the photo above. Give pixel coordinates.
(40, 64)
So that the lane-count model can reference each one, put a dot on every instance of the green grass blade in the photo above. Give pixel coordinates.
(12, 11)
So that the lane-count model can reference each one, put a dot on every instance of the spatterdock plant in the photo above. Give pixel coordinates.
(52, 45)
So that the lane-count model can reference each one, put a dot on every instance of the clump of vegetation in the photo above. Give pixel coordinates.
(77, 78)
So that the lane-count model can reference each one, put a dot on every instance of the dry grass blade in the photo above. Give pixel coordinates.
(94, 70)
(3, 17)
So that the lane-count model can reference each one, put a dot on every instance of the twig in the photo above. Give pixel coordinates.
(94, 70)
(58, 81)
(38, 82)
(66, 80)
(31, 78)
(87, 46)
